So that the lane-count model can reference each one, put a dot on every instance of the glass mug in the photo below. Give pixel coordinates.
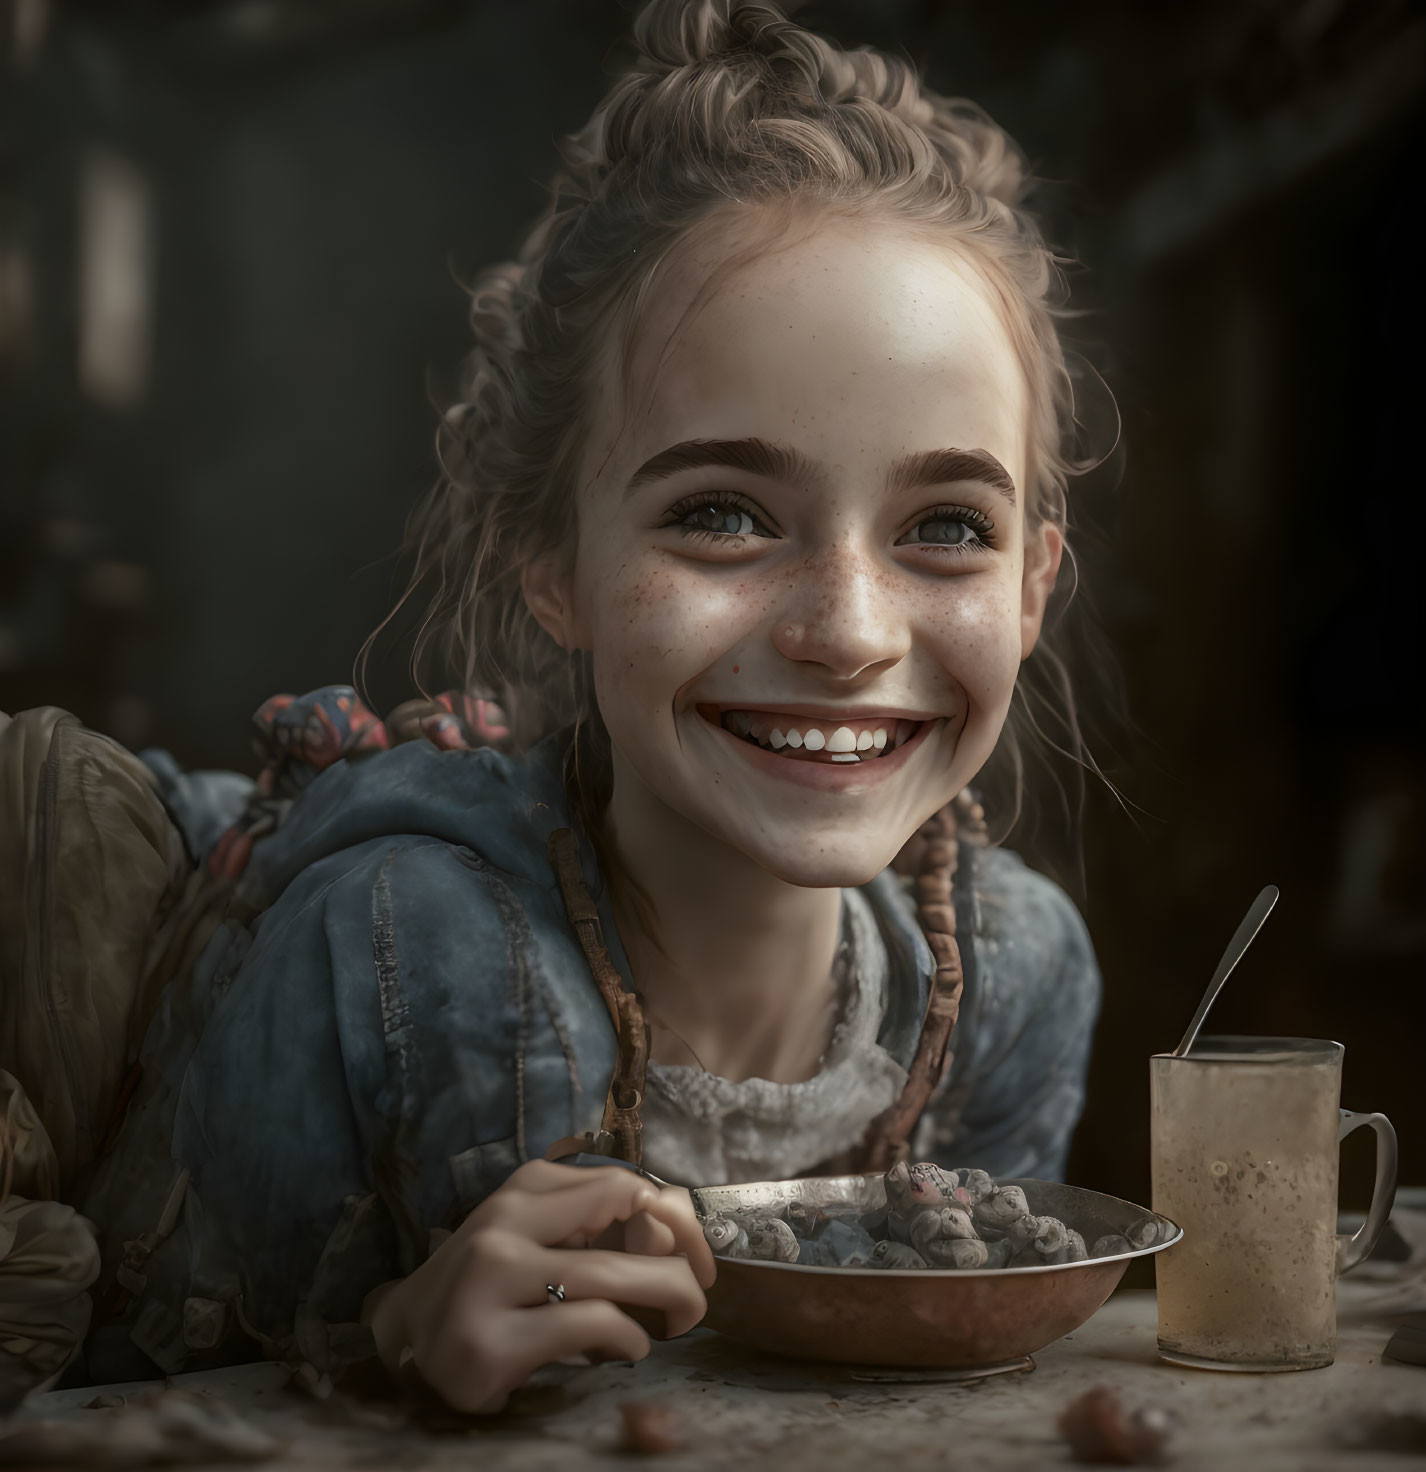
(1244, 1134)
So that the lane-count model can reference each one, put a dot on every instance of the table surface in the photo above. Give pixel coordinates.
(735, 1408)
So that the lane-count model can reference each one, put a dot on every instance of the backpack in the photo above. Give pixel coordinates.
(116, 870)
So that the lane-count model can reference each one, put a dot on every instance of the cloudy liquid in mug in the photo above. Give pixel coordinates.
(1245, 1160)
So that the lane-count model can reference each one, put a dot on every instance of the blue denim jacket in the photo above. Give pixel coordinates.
(411, 1017)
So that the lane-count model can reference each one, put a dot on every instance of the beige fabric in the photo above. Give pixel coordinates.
(48, 1253)
(27, 1160)
(100, 908)
(89, 864)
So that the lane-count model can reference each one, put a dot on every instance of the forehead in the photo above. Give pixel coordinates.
(855, 341)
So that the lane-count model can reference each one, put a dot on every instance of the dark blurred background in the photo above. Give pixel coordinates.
(231, 237)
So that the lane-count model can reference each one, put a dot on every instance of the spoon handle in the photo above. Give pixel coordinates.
(1242, 939)
(589, 1158)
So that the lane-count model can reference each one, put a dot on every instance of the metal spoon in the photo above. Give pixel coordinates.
(1242, 939)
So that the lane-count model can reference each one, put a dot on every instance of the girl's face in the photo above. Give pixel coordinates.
(801, 566)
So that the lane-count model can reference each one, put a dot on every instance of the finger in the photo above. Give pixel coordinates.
(590, 1326)
(641, 1233)
(647, 1234)
(672, 1214)
(675, 1210)
(621, 1277)
(578, 1214)
(673, 1227)
(672, 1207)
(475, 1369)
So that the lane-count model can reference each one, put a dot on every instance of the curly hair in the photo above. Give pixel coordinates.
(728, 109)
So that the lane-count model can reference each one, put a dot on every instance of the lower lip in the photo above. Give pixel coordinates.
(828, 776)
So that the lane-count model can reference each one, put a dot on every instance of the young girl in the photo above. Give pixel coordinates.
(751, 514)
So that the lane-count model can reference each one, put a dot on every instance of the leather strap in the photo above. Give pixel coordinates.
(621, 1132)
(887, 1137)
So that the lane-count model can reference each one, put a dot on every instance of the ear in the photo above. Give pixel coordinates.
(1043, 550)
(547, 581)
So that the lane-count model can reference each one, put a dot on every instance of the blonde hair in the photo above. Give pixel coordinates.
(727, 106)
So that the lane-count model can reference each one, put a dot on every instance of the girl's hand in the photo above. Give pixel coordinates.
(475, 1319)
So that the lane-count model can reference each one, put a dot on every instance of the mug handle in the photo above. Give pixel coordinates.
(1351, 1250)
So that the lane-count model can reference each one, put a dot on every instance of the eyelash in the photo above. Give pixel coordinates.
(978, 523)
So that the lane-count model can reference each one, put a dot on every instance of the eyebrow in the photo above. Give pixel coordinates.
(782, 462)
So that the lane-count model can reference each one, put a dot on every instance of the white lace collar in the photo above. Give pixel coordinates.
(703, 1130)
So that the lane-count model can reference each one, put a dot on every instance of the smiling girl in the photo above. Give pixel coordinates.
(751, 513)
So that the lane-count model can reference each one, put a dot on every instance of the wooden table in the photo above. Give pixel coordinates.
(740, 1410)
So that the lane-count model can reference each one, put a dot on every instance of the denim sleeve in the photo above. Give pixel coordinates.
(1016, 1087)
(366, 1030)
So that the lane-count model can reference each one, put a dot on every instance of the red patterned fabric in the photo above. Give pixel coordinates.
(296, 737)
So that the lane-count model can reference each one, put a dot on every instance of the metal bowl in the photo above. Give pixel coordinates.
(979, 1319)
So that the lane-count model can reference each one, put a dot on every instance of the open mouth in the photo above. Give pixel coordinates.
(803, 739)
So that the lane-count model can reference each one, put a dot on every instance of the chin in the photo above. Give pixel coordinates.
(834, 865)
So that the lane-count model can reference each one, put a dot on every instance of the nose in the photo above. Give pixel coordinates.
(841, 612)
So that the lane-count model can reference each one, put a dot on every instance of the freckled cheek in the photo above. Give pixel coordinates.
(655, 632)
(974, 636)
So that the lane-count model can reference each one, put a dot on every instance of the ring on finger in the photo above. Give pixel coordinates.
(554, 1292)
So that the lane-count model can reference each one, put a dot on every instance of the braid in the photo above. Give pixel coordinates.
(885, 1140)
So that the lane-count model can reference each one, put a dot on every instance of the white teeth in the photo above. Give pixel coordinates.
(843, 744)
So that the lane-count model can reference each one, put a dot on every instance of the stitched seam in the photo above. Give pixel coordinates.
(395, 1010)
(402, 1054)
(519, 944)
(567, 1048)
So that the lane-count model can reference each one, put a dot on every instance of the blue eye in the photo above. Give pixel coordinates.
(715, 514)
(956, 528)
(714, 518)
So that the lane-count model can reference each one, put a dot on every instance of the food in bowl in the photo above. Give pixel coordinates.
(932, 1218)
